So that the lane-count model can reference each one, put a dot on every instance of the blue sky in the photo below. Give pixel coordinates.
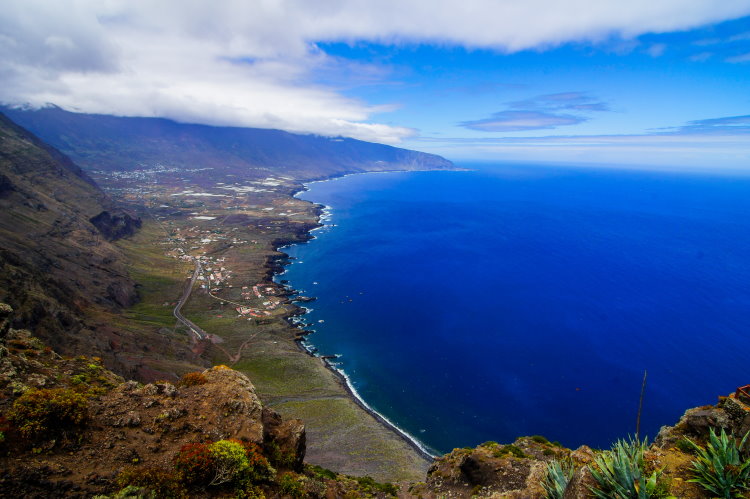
(470, 104)
(640, 82)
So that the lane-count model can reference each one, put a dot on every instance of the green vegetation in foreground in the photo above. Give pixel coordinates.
(621, 472)
(557, 477)
(720, 468)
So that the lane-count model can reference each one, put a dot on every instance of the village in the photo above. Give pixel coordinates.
(225, 226)
(220, 227)
(200, 244)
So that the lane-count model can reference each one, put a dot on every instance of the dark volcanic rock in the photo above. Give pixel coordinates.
(6, 185)
(731, 413)
(509, 471)
(116, 225)
(286, 436)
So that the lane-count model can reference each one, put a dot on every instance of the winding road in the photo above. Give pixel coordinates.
(195, 329)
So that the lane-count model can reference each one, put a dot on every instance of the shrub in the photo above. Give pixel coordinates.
(195, 463)
(225, 461)
(557, 477)
(320, 472)
(162, 483)
(510, 449)
(370, 486)
(685, 445)
(278, 458)
(237, 462)
(230, 461)
(720, 468)
(619, 473)
(193, 379)
(290, 485)
(250, 492)
(94, 368)
(49, 412)
(260, 469)
(540, 439)
(129, 492)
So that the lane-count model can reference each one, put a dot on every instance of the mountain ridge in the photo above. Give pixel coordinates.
(112, 143)
(59, 268)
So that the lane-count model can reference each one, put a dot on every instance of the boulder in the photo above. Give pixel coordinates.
(493, 470)
(579, 485)
(287, 438)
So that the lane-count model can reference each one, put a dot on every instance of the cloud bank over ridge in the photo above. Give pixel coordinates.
(255, 63)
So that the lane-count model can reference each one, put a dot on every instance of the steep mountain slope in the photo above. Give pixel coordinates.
(47, 204)
(58, 267)
(99, 142)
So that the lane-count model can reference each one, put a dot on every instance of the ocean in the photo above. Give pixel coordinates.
(526, 300)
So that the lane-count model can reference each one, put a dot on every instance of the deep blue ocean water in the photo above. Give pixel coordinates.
(519, 300)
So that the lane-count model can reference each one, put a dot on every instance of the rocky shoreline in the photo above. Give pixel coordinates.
(276, 268)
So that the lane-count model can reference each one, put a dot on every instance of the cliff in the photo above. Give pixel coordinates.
(59, 268)
(54, 262)
(70, 428)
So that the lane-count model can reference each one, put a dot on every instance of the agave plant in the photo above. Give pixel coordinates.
(619, 473)
(557, 477)
(720, 468)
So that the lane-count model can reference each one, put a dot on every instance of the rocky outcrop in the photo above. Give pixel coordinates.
(732, 413)
(580, 485)
(517, 470)
(492, 470)
(286, 438)
(127, 423)
(116, 224)
(225, 406)
(126, 433)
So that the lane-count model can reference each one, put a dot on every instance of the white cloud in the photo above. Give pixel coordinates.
(739, 58)
(701, 56)
(656, 50)
(235, 62)
(692, 146)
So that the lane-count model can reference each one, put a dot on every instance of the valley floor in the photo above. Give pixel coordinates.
(232, 228)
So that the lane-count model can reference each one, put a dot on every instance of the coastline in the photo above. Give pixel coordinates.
(323, 214)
